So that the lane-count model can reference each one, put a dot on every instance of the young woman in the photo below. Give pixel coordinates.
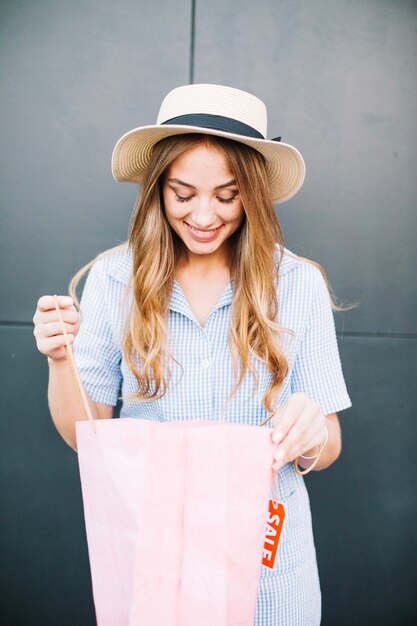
(203, 313)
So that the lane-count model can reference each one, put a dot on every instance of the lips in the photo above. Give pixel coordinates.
(203, 235)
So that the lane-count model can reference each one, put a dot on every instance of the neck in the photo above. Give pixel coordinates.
(203, 265)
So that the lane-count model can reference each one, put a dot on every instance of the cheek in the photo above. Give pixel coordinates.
(237, 214)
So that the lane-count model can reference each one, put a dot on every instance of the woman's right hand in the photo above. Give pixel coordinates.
(50, 339)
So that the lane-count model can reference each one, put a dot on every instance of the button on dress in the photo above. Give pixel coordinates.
(201, 381)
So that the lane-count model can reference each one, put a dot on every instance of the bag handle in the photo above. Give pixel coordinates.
(75, 376)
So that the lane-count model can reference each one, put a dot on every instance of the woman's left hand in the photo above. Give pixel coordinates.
(299, 428)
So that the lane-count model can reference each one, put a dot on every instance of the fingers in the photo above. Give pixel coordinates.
(68, 315)
(287, 414)
(299, 425)
(47, 303)
(48, 330)
(54, 347)
(52, 329)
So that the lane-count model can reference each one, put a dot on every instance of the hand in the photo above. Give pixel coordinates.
(299, 428)
(50, 339)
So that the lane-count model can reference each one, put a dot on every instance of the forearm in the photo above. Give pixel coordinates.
(330, 452)
(64, 403)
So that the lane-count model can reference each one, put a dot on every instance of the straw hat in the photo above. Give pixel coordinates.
(212, 110)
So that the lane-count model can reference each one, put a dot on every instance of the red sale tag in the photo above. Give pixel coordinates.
(276, 517)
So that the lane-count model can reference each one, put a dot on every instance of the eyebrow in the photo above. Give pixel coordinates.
(181, 182)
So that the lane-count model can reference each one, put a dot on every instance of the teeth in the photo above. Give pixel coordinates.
(203, 232)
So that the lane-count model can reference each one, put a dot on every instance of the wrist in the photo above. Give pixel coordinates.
(52, 362)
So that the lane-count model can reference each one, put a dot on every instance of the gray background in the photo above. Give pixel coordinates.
(339, 81)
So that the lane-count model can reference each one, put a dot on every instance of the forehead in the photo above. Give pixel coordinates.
(200, 161)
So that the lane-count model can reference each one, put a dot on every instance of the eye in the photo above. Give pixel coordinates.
(183, 198)
(227, 200)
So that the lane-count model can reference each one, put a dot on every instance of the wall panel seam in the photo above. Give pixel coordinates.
(376, 335)
(192, 42)
(340, 334)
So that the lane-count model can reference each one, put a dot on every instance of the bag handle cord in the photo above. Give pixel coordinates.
(75, 376)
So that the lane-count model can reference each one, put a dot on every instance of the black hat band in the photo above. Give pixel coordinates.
(215, 122)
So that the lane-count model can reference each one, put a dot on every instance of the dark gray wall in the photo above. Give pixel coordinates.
(339, 81)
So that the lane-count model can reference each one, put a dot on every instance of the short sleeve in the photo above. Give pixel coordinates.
(317, 369)
(97, 354)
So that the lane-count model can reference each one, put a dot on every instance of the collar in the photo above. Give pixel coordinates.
(179, 302)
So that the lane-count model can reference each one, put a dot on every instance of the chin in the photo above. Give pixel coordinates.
(202, 249)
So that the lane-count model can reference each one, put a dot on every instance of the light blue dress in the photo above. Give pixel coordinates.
(289, 595)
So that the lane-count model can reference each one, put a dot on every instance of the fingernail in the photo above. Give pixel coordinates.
(277, 436)
(279, 454)
(67, 300)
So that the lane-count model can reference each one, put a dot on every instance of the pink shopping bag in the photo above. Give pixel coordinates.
(175, 516)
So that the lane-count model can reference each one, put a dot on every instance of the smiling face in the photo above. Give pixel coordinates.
(201, 200)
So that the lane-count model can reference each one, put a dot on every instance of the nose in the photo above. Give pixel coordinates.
(203, 213)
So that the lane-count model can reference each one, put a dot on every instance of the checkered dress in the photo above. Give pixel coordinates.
(289, 595)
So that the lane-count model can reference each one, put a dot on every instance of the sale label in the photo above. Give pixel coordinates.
(276, 518)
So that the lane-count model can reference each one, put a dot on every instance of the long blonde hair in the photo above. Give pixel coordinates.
(256, 250)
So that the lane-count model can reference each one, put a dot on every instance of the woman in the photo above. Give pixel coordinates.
(204, 313)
